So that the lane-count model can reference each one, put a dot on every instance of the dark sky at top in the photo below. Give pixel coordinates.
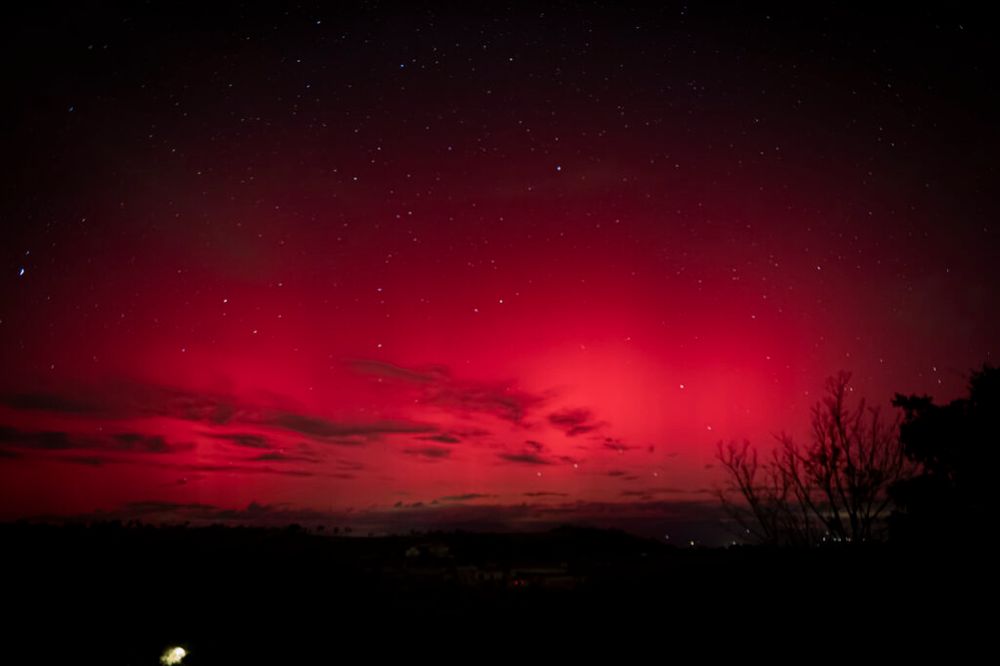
(407, 266)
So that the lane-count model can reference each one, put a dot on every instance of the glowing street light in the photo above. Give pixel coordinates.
(173, 655)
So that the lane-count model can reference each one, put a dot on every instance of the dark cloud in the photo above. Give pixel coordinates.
(50, 402)
(496, 400)
(649, 493)
(131, 400)
(91, 461)
(189, 405)
(543, 493)
(467, 497)
(574, 422)
(429, 452)
(335, 431)
(617, 445)
(535, 446)
(247, 440)
(443, 438)
(440, 389)
(153, 451)
(349, 465)
(44, 441)
(140, 443)
(278, 456)
(524, 458)
(62, 441)
(375, 368)
(413, 505)
(244, 469)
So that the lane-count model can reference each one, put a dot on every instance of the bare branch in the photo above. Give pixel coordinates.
(836, 487)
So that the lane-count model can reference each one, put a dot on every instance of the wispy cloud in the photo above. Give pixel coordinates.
(433, 453)
(439, 388)
(575, 421)
(467, 497)
(524, 458)
(127, 442)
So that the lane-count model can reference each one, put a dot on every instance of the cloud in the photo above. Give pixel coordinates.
(658, 491)
(139, 443)
(190, 406)
(337, 432)
(467, 497)
(377, 368)
(128, 442)
(247, 440)
(277, 456)
(438, 388)
(616, 445)
(139, 449)
(524, 458)
(50, 402)
(429, 452)
(443, 438)
(93, 461)
(243, 469)
(496, 400)
(575, 421)
(134, 400)
(543, 493)
(349, 465)
(45, 441)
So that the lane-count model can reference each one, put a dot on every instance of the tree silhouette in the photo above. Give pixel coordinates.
(834, 488)
(955, 448)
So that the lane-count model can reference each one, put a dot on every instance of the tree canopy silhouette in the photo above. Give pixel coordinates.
(835, 488)
(952, 497)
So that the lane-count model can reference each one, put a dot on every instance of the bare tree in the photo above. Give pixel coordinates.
(834, 488)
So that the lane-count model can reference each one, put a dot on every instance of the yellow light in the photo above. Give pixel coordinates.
(173, 656)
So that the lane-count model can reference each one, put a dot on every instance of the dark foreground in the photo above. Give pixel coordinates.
(113, 594)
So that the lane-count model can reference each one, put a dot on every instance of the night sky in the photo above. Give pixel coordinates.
(399, 268)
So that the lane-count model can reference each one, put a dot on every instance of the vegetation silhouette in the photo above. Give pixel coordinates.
(952, 496)
(833, 489)
(237, 594)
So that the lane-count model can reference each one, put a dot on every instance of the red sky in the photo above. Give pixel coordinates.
(434, 269)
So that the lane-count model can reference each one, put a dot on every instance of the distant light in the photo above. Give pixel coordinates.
(173, 655)
(682, 386)
(20, 273)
